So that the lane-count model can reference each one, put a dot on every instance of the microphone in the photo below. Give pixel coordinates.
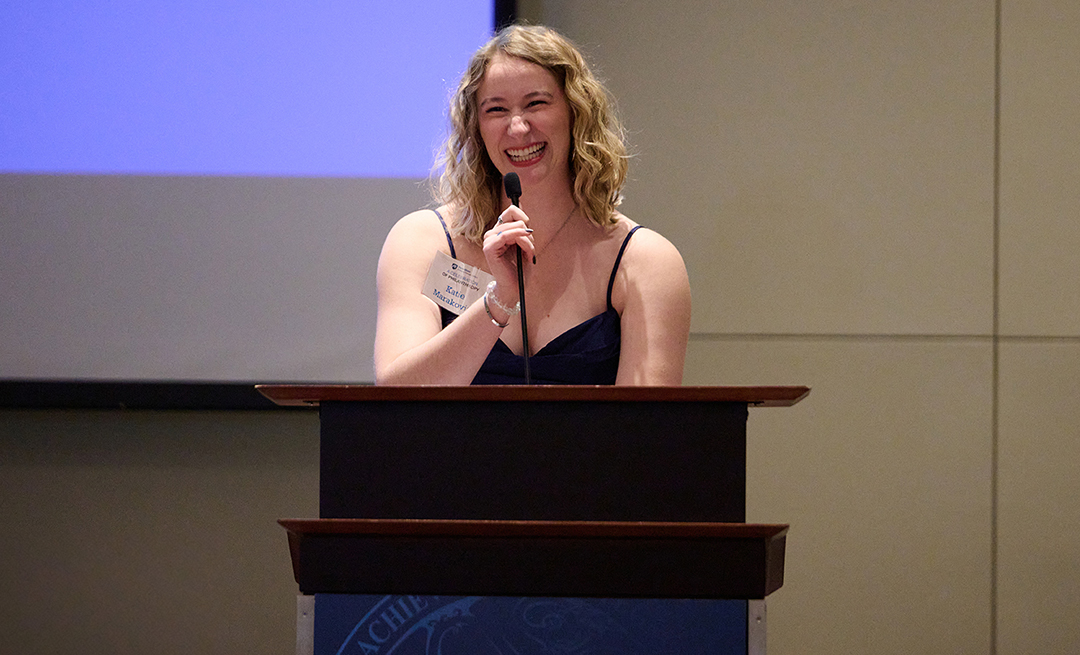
(512, 186)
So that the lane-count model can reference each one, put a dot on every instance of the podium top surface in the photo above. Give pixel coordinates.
(312, 395)
(538, 529)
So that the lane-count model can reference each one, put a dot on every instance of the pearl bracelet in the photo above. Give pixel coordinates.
(495, 299)
(510, 311)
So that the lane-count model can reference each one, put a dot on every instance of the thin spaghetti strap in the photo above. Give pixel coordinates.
(451, 241)
(615, 268)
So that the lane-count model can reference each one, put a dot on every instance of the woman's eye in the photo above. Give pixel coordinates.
(494, 110)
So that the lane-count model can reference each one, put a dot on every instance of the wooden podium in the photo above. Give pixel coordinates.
(613, 492)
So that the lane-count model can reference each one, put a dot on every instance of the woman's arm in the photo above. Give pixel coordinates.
(655, 292)
(411, 346)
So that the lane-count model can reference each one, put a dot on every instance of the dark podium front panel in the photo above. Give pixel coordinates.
(534, 460)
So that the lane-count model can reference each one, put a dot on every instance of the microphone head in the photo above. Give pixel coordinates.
(512, 185)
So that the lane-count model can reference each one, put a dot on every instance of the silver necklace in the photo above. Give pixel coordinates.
(565, 222)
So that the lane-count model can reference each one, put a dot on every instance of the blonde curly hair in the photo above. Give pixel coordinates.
(598, 159)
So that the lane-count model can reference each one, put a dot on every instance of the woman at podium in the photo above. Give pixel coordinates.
(607, 302)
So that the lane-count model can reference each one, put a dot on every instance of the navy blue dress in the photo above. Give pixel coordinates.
(587, 353)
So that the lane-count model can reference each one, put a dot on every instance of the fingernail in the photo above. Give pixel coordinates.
(528, 230)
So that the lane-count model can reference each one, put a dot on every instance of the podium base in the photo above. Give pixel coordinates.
(354, 624)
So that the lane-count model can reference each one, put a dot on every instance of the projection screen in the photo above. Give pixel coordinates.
(198, 191)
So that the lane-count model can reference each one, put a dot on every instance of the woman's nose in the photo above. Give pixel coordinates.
(518, 125)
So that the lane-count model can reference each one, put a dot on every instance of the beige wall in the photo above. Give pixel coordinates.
(132, 532)
(859, 212)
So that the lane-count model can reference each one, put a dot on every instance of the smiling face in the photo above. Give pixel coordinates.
(525, 121)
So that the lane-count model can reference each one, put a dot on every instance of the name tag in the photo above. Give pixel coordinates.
(454, 285)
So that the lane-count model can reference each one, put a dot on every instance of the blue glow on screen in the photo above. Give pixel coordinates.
(231, 87)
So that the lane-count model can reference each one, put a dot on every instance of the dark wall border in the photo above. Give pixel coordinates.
(505, 13)
(47, 394)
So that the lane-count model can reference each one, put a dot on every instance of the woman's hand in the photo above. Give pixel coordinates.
(511, 229)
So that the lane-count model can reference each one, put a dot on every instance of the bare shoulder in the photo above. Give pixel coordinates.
(649, 251)
(422, 225)
(415, 236)
(408, 250)
(651, 266)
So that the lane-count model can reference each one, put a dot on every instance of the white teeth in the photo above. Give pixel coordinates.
(525, 153)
